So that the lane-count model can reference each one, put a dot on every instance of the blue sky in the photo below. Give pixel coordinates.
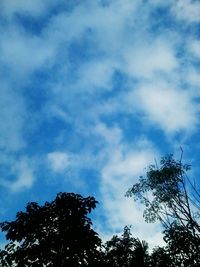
(90, 93)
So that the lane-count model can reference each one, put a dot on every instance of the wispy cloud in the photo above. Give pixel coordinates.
(187, 10)
(12, 117)
(23, 171)
(170, 108)
(59, 161)
(124, 164)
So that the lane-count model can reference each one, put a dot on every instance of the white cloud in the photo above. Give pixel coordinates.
(195, 48)
(187, 10)
(142, 56)
(95, 74)
(171, 109)
(3, 244)
(112, 135)
(146, 60)
(59, 161)
(118, 176)
(193, 77)
(23, 171)
(123, 164)
(22, 53)
(12, 118)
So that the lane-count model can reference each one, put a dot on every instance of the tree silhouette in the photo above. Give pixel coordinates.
(126, 251)
(171, 197)
(56, 234)
(160, 258)
(119, 250)
(140, 254)
(182, 246)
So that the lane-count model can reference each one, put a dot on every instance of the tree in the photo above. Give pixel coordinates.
(56, 234)
(170, 197)
(160, 258)
(140, 255)
(119, 250)
(182, 246)
(126, 251)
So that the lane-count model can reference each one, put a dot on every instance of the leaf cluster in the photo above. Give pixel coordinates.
(57, 233)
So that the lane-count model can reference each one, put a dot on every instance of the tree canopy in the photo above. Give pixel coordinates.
(171, 197)
(126, 251)
(56, 234)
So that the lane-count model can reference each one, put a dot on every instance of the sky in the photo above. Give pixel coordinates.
(91, 93)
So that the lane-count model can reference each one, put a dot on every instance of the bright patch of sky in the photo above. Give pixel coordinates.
(90, 93)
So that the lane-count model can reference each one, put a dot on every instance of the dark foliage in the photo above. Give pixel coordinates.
(172, 198)
(160, 258)
(119, 250)
(56, 234)
(126, 251)
(182, 246)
